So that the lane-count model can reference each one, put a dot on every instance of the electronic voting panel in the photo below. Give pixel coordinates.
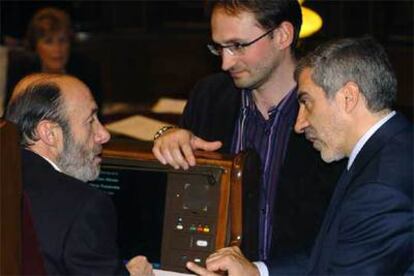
(174, 216)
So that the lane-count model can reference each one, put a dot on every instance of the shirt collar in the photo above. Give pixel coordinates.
(52, 163)
(248, 102)
(361, 142)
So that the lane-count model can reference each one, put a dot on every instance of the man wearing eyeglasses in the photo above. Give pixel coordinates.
(253, 104)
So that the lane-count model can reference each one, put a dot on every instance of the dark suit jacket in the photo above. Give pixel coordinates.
(32, 260)
(75, 224)
(368, 228)
(306, 182)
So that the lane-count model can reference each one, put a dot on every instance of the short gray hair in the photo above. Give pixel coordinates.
(38, 102)
(360, 60)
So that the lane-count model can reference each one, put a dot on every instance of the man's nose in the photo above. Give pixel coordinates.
(102, 135)
(301, 121)
(227, 60)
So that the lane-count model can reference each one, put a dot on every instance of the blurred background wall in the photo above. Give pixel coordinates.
(149, 49)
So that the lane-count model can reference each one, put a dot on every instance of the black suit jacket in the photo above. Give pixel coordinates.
(75, 224)
(306, 182)
(368, 228)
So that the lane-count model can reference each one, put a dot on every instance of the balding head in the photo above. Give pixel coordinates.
(28, 80)
(43, 96)
(35, 98)
(57, 117)
(42, 78)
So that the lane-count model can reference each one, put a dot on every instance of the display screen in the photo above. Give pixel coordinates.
(139, 198)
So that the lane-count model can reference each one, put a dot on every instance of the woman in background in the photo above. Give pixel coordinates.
(48, 40)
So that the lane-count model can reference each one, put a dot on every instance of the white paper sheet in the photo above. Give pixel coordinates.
(137, 126)
(168, 105)
(159, 272)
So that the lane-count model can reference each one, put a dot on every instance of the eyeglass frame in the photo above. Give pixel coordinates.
(238, 48)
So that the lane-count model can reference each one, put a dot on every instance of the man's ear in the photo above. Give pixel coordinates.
(284, 35)
(350, 96)
(49, 133)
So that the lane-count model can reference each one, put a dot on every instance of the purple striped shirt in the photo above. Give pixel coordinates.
(269, 138)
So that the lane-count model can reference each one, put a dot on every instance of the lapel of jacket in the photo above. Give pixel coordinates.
(374, 144)
(318, 248)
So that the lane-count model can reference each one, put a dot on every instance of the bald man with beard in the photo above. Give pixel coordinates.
(62, 140)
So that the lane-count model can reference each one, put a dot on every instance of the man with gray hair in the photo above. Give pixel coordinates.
(62, 141)
(346, 91)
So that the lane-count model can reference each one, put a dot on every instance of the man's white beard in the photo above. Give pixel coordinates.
(77, 161)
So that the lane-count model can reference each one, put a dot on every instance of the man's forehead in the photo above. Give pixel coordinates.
(77, 96)
(305, 81)
(72, 87)
(224, 18)
(226, 30)
(305, 76)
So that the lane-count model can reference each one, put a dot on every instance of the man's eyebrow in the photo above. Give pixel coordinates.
(300, 94)
(303, 96)
(93, 112)
(228, 42)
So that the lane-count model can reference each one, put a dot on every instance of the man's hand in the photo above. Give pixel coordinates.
(229, 259)
(176, 147)
(139, 266)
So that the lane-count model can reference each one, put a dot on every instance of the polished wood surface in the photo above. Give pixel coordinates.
(240, 175)
(10, 201)
(138, 150)
(135, 149)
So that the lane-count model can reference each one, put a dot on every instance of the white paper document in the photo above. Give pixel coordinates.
(159, 272)
(137, 126)
(168, 105)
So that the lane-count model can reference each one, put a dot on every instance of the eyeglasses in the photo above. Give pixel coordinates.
(234, 49)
